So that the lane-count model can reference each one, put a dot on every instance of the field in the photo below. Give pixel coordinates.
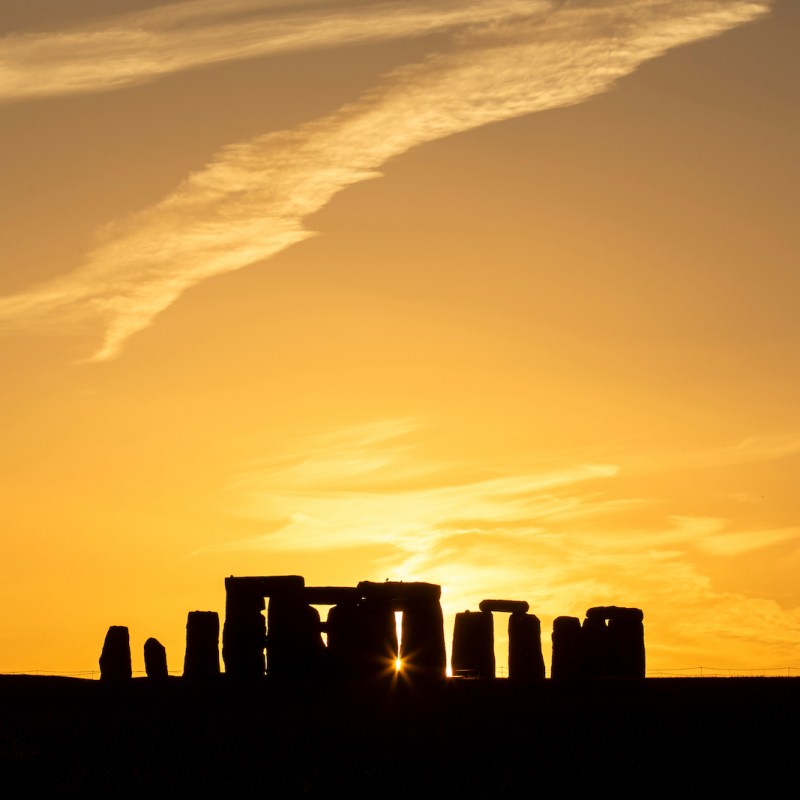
(656, 738)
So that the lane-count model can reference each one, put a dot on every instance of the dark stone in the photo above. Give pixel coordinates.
(614, 642)
(362, 640)
(294, 638)
(400, 592)
(597, 650)
(627, 644)
(244, 636)
(473, 645)
(265, 586)
(525, 659)
(344, 629)
(202, 645)
(422, 649)
(567, 659)
(155, 660)
(115, 658)
(615, 612)
(506, 606)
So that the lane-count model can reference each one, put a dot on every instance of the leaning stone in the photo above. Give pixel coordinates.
(115, 659)
(155, 660)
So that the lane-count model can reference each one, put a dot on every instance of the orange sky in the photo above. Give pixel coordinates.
(500, 295)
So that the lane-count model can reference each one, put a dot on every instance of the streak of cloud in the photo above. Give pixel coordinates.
(750, 450)
(249, 203)
(136, 48)
(360, 488)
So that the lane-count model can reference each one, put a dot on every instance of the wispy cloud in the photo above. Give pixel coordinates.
(136, 48)
(249, 203)
(367, 486)
(750, 450)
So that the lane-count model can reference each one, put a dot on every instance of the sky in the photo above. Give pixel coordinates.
(498, 294)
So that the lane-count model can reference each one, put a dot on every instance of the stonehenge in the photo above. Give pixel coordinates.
(373, 631)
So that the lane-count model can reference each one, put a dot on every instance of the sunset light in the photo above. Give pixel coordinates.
(497, 296)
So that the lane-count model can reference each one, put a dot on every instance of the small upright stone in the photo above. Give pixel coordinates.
(115, 659)
(155, 660)
(202, 645)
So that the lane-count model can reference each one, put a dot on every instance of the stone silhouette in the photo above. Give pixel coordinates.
(358, 638)
(525, 658)
(618, 635)
(360, 628)
(567, 660)
(609, 644)
(362, 639)
(115, 658)
(294, 637)
(422, 648)
(155, 660)
(202, 645)
(473, 645)
(507, 606)
(473, 642)
(244, 637)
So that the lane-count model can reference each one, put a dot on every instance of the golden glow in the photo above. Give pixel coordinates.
(548, 358)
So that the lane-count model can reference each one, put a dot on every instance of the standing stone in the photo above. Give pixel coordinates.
(244, 636)
(294, 638)
(343, 653)
(362, 640)
(155, 660)
(567, 662)
(115, 659)
(525, 659)
(621, 642)
(202, 645)
(423, 652)
(627, 637)
(422, 648)
(380, 647)
(473, 645)
(597, 647)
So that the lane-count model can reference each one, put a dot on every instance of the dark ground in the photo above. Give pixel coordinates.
(657, 738)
